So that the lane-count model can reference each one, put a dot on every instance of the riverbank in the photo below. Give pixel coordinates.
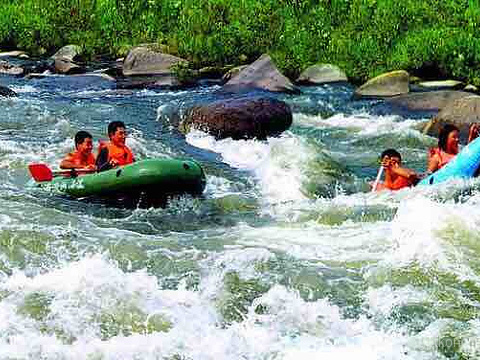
(363, 38)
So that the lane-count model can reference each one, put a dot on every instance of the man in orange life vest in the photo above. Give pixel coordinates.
(115, 152)
(82, 157)
(396, 176)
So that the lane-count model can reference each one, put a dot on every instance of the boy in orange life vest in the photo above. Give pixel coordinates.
(115, 152)
(396, 176)
(82, 157)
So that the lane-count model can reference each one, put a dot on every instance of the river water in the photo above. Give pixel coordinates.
(286, 256)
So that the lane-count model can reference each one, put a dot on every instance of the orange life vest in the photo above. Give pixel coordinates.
(399, 183)
(79, 161)
(121, 154)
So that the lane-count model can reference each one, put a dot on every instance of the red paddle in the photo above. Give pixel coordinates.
(41, 172)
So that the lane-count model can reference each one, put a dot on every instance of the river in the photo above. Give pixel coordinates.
(287, 255)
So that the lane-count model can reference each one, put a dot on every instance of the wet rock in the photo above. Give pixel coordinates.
(240, 118)
(385, 85)
(9, 69)
(145, 61)
(68, 52)
(262, 74)
(461, 112)
(426, 101)
(17, 53)
(321, 74)
(67, 67)
(437, 85)
(6, 92)
(232, 73)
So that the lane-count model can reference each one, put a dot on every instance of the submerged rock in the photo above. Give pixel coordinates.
(261, 74)
(461, 113)
(240, 118)
(385, 85)
(6, 92)
(321, 74)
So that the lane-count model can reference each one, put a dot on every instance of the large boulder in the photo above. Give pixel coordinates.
(68, 52)
(6, 92)
(240, 118)
(461, 113)
(9, 69)
(426, 101)
(143, 60)
(261, 74)
(385, 85)
(321, 74)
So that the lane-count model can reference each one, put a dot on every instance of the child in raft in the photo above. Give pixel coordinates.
(448, 146)
(82, 157)
(396, 176)
(115, 152)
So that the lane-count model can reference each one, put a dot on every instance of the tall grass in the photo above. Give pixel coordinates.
(364, 37)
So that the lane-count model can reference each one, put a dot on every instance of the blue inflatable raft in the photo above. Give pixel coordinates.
(462, 166)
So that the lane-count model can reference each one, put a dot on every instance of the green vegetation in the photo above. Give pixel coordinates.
(364, 37)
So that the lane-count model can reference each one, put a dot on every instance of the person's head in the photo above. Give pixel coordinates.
(84, 142)
(448, 139)
(392, 155)
(117, 132)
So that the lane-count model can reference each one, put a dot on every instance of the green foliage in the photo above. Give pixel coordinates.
(364, 37)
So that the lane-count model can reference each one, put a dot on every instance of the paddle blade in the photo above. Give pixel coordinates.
(40, 172)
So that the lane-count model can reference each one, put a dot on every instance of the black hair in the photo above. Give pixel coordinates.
(391, 153)
(443, 136)
(114, 125)
(81, 136)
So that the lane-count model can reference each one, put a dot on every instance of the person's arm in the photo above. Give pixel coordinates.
(433, 163)
(404, 172)
(68, 163)
(473, 132)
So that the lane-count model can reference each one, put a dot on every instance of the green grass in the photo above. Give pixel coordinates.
(364, 37)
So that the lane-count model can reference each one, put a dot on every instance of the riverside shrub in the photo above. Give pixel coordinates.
(364, 37)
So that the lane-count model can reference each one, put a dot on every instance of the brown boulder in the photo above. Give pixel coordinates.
(261, 74)
(240, 118)
(68, 52)
(143, 60)
(385, 85)
(461, 113)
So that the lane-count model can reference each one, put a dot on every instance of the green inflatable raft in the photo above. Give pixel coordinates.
(152, 179)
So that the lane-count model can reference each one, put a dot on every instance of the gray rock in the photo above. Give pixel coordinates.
(240, 118)
(385, 85)
(67, 67)
(461, 112)
(321, 74)
(6, 92)
(9, 69)
(68, 52)
(145, 61)
(232, 73)
(13, 54)
(426, 101)
(262, 74)
(438, 85)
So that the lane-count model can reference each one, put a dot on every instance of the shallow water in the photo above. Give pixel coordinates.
(287, 255)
